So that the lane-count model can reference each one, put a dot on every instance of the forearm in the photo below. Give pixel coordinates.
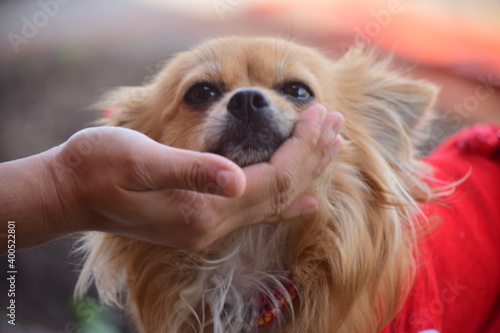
(28, 196)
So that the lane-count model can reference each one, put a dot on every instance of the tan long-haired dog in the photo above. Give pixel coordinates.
(346, 268)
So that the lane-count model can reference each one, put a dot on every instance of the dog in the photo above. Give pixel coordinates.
(364, 262)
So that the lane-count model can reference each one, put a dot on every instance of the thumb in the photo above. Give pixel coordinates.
(164, 167)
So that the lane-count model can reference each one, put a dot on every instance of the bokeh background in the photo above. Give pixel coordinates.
(57, 57)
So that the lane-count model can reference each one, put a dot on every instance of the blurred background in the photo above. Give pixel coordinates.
(57, 57)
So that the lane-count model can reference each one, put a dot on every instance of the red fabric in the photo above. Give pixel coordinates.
(457, 287)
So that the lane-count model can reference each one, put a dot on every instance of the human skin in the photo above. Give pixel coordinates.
(117, 180)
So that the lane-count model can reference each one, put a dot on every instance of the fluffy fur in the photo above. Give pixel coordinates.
(352, 262)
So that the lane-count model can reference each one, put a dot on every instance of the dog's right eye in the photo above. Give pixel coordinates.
(201, 94)
(297, 91)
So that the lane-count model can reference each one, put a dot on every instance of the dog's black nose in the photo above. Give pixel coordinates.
(247, 104)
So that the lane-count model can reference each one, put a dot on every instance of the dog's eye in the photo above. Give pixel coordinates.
(297, 91)
(202, 93)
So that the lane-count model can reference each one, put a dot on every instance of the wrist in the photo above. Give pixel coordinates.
(64, 211)
(80, 183)
(30, 196)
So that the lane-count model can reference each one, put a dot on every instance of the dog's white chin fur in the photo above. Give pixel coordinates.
(250, 263)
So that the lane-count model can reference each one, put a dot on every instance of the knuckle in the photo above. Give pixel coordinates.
(285, 180)
(196, 176)
(138, 165)
(285, 187)
(279, 203)
(203, 227)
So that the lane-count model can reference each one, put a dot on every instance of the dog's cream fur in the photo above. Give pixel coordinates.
(352, 262)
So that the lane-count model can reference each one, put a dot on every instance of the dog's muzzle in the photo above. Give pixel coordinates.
(250, 134)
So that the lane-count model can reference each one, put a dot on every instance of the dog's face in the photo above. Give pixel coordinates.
(239, 98)
(244, 97)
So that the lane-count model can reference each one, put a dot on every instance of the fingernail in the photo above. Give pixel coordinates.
(310, 210)
(319, 106)
(229, 183)
(322, 110)
(332, 124)
(223, 178)
(337, 146)
(339, 122)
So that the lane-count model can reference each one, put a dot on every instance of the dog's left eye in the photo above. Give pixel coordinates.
(202, 93)
(298, 91)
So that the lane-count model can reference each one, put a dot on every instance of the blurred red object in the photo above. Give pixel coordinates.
(435, 33)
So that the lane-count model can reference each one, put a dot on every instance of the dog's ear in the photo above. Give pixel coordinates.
(389, 105)
(144, 108)
(129, 107)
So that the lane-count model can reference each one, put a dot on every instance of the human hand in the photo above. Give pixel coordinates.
(130, 185)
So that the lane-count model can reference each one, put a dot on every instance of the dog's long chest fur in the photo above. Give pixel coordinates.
(350, 263)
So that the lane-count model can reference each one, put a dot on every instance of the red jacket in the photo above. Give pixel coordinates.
(457, 286)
